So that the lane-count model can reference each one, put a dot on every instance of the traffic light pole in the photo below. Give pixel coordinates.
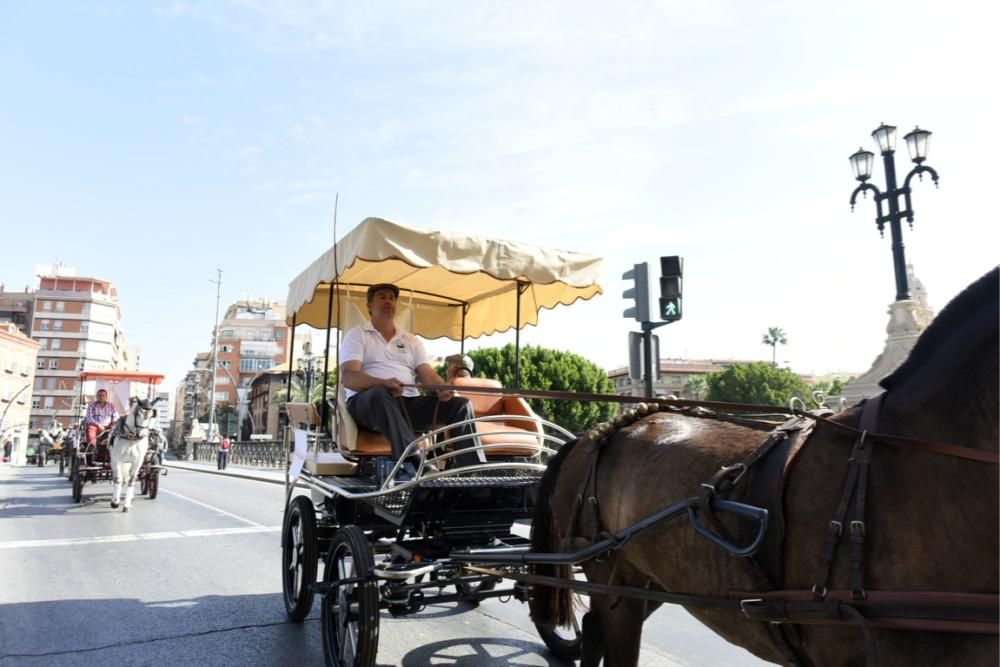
(647, 354)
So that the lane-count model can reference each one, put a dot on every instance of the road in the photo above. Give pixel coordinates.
(192, 577)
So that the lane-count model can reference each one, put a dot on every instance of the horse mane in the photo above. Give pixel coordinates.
(552, 606)
(978, 299)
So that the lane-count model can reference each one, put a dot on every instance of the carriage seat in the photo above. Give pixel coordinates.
(526, 431)
(356, 441)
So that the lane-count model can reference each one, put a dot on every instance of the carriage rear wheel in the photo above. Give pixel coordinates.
(299, 554)
(78, 486)
(153, 483)
(350, 615)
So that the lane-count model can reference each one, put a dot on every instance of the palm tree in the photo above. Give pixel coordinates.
(774, 337)
(695, 387)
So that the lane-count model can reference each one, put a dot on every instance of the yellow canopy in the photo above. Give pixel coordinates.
(440, 274)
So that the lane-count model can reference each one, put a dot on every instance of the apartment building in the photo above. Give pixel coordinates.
(674, 377)
(253, 337)
(17, 376)
(77, 324)
(17, 308)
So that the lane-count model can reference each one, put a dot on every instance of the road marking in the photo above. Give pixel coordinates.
(212, 507)
(137, 537)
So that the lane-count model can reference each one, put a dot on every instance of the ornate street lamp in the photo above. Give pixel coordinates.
(861, 162)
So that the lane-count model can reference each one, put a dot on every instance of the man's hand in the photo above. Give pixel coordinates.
(394, 386)
(446, 395)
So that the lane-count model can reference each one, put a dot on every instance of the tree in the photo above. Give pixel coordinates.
(758, 383)
(551, 370)
(774, 337)
(696, 387)
(316, 392)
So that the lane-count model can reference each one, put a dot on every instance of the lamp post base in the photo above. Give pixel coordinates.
(907, 320)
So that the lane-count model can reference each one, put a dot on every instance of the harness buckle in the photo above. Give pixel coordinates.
(837, 527)
(747, 603)
(858, 528)
(819, 593)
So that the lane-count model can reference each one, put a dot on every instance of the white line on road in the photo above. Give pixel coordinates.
(212, 507)
(136, 537)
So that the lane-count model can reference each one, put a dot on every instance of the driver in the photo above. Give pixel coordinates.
(378, 357)
(101, 415)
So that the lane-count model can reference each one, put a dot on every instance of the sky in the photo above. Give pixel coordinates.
(150, 143)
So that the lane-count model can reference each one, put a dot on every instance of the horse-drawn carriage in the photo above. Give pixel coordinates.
(130, 450)
(386, 545)
(866, 537)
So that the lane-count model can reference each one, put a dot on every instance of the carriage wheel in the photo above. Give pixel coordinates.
(153, 484)
(78, 486)
(299, 554)
(566, 641)
(350, 613)
(143, 483)
(62, 465)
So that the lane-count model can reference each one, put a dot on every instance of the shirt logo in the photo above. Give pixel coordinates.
(400, 347)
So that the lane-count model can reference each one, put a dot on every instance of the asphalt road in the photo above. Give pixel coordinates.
(192, 577)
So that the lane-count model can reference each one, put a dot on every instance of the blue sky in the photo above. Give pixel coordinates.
(149, 143)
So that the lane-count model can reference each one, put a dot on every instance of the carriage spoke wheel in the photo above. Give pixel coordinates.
(153, 483)
(299, 555)
(143, 483)
(566, 641)
(350, 615)
(78, 486)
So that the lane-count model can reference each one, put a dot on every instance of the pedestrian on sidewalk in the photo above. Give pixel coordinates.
(8, 446)
(224, 445)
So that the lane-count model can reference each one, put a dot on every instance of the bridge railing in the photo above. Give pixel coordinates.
(254, 453)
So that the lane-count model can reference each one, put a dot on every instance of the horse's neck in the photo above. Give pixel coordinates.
(956, 407)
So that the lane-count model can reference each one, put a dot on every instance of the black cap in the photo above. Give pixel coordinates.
(378, 286)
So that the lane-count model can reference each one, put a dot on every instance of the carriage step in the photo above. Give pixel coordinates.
(403, 571)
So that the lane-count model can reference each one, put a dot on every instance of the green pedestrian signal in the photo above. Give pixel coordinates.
(670, 308)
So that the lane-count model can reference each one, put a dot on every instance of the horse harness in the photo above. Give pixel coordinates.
(762, 477)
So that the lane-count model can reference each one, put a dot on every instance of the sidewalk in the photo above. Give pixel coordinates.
(272, 475)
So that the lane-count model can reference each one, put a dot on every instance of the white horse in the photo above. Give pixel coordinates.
(129, 442)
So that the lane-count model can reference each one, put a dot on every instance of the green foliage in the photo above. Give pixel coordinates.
(758, 383)
(551, 370)
(299, 388)
(696, 387)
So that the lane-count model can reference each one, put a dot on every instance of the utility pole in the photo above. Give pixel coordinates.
(215, 354)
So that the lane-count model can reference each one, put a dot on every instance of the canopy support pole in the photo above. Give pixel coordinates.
(288, 377)
(521, 288)
(465, 311)
(324, 411)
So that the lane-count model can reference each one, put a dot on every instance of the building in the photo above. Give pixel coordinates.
(674, 377)
(77, 324)
(268, 392)
(17, 376)
(164, 413)
(17, 308)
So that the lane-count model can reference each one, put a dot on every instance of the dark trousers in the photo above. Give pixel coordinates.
(223, 459)
(376, 409)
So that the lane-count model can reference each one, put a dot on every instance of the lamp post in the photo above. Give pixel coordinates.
(307, 364)
(861, 162)
(240, 401)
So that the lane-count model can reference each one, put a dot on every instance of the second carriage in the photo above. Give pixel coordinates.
(92, 463)
(388, 546)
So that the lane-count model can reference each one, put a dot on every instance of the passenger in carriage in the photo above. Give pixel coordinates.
(101, 415)
(378, 358)
(458, 366)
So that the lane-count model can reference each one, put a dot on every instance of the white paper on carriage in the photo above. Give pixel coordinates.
(298, 454)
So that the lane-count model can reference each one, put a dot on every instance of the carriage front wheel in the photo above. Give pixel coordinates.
(153, 483)
(350, 613)
(299, 554)
(78, 485)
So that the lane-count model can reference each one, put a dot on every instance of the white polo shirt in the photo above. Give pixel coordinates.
(397, 358)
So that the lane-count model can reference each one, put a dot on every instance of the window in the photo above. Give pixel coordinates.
(46, 305)
(222, 396)
(43, 343)
(225, 348)
(36, 402)
(45, 324)
(84, 327)
(40, 364)
(53, 364)
(39, 383)
(226, 333)
(49, 402)
(50, 384)
(56, 343)
(222, 379)
(57, 325)
(226, 363)
(255, 364)
(279, 334)
(60, 306)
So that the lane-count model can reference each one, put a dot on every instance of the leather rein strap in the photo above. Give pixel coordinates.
(896, 440)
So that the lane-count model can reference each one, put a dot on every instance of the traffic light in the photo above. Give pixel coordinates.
(639, 292)
(671, 270)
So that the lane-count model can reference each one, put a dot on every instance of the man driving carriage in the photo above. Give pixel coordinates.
(378, 360)
(101, 416)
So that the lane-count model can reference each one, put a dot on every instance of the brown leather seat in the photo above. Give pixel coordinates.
(509, 431)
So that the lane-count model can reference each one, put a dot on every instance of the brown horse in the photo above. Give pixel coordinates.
(930, 522)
